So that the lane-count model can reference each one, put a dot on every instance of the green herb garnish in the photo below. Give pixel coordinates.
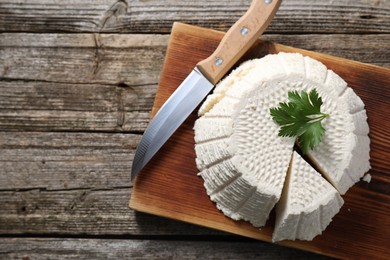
(301, 117)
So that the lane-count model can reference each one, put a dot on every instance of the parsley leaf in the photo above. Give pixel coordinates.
(301, 118)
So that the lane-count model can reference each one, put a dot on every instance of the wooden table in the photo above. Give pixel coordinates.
(77, 84)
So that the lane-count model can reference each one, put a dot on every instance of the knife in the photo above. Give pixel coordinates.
(239, 38)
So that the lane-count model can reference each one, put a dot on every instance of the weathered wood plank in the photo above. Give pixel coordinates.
(64, 82)
(66, 248)
(73, 184)
(137, 59)
(82, 58)
(294, 16)
(49, 106)
(66, 183)
(55, 161)
(83, 212)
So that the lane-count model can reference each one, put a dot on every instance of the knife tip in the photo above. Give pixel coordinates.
(134, 171)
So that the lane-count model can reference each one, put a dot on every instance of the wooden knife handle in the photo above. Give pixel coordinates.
(240, 37)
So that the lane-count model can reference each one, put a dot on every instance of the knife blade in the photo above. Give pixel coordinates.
(239, 38)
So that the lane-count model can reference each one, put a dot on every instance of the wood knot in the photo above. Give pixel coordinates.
(113, 14)
(122, 85)
(367, 17)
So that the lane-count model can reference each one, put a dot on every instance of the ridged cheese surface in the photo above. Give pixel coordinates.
(240, 156)
(308, 203)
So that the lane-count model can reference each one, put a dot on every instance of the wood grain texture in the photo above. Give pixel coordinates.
(137, 60)
(56, 248)
(65, 161)
(170, 187)
(51, 106)
(111, 88)
(82, 58)
(153, 16)
(74, 184)
(100, 211)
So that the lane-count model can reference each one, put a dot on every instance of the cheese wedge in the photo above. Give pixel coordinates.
(308, 203)
(239, 154)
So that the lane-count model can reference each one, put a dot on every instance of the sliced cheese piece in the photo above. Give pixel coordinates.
(308, 203)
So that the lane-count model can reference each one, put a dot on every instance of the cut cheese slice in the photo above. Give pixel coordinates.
(308, 203)
(240, 156)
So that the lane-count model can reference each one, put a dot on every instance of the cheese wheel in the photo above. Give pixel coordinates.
(239, 154)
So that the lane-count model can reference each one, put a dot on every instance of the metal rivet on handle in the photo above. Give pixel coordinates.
(244, 31)
(267, 1)
(218, 61)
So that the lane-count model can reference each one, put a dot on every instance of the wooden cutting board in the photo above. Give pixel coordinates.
(169, 185)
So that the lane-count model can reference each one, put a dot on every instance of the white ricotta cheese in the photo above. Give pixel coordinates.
(240, 156)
